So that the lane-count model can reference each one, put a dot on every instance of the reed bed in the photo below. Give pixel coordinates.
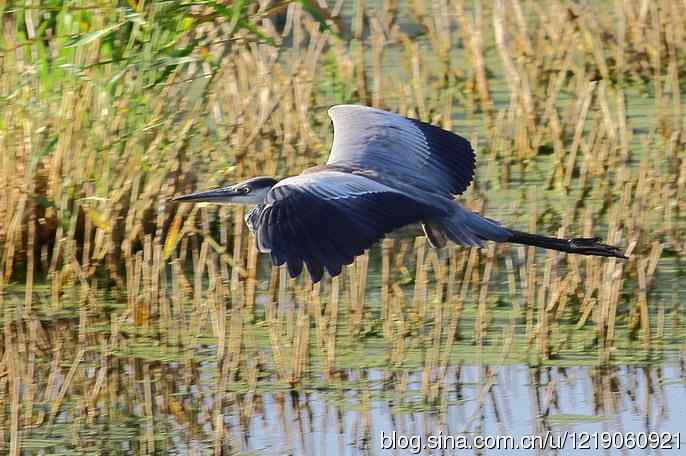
(131, 323)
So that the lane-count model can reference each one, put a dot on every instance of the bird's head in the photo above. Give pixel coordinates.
(251, 191)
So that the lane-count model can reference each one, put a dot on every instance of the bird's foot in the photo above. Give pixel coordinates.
(593, 246)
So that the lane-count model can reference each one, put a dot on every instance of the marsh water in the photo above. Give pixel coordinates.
(133, 388)
(198, 346)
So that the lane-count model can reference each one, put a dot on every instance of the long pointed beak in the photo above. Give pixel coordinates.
(219, 195)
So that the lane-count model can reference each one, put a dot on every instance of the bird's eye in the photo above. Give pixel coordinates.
(245, 190)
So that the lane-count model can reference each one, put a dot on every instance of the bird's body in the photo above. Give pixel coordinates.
(385, 171)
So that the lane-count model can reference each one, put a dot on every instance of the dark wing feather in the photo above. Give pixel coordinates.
(395, 146)
(325, 219)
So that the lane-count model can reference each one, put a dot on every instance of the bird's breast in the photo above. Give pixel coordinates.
(252, 216)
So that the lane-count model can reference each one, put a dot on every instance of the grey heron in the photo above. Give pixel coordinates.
(384, 171)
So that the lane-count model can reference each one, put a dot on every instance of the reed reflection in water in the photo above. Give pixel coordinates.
(522, 401)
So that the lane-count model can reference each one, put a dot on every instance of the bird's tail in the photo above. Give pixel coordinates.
(470, 229)
(464, 227)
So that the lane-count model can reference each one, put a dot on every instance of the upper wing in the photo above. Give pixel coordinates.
(327, 218)
(390, 144)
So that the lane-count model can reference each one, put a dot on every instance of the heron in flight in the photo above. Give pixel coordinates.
(385, 171)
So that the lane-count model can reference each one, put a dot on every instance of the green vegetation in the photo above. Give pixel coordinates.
(131, 324)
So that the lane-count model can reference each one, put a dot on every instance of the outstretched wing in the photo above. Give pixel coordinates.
(325, 219)
(422, 154)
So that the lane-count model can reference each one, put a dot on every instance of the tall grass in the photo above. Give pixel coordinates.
(115, 302)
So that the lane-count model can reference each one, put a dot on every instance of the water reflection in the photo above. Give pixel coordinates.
(110, 386)
(521, 401)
